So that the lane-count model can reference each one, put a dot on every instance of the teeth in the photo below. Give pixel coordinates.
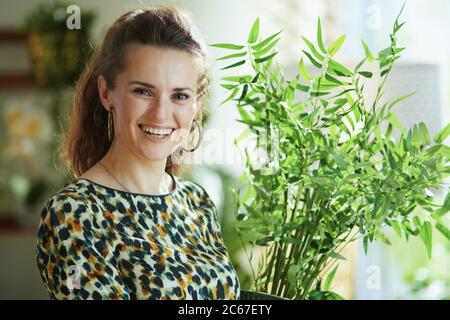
(156, 130)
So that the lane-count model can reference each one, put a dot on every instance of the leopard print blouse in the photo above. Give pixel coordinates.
(96, 242)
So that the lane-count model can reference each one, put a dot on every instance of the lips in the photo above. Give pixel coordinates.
(164, 128)
(155, 126)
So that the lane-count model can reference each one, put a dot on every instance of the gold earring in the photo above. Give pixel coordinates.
(110, 125)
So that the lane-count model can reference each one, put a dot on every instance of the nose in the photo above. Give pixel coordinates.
(160, 108)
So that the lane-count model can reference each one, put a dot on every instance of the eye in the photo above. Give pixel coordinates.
(184, 96)
(142, 91)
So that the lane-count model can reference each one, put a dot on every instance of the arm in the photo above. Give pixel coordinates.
(72, 254)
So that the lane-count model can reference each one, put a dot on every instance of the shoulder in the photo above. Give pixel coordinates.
(207, 205)
(195, 188)
(197, 192)
(69, 206)
(69, 197)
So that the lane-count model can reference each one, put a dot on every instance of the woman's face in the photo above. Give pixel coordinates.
(158, 87)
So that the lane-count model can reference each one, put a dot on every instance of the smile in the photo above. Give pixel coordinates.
(156, 134)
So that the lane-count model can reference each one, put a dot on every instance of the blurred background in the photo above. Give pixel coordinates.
(40, 58)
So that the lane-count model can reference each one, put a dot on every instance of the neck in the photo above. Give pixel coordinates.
(137, 174)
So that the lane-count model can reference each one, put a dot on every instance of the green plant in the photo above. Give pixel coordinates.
(424, 277)
(58, 34)
(58, 53)
(337, 176)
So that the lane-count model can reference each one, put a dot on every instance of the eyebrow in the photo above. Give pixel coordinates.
(149, 85)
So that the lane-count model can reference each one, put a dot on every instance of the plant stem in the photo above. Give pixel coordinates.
(283, 247)
(284, 280)
(313, 275)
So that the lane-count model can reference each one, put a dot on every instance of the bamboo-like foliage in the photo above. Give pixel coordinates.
(333, 183)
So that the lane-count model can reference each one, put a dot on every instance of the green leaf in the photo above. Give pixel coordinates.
(397, 228)
(367, 52)
(339, 68)
(234, 55)
(366, 74)
(398, 100)
(385, 72)
(263, 43)
(263, 50)
(385, 52)
(335, 46)
(443, 134)
(244, 92)
(318, 93)
(227, 46)
(334, 80)
(396, 123)
(332, 110)
(316, 295)
(432, 150)
(324, 102)
(313, 49)
(417, 222)
(329, 278)
(304, 71)
(388, 131)
(228, 86)
(323, 84)
(292, 272)
(231, 96)
(265, 58)
(234, 65)
(336, 255)
(293, 240)
(382, 237)
(446, 204)
(424, 133)
(314, 62)
(339, 160)
(406, 226)
(323, 181)
(302, 87)
(426, 235)
(334, 296)
(398, 26)
(239, 79)
(323, 295)
(443, 229)
(319, 36)
(360, 64)
(254, 32)
(365, 243)
(255, 78)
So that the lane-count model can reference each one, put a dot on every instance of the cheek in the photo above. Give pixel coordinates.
(128, 111)
(185, 117)
(189, 112)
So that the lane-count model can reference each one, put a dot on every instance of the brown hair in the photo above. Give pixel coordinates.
(86, 139)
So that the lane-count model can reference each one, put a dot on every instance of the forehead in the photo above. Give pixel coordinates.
(162, 67)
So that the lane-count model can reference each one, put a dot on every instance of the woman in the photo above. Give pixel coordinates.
(127, 227)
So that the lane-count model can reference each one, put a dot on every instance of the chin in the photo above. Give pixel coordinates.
(155, 155)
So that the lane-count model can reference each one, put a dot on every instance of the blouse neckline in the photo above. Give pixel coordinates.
(171, 193)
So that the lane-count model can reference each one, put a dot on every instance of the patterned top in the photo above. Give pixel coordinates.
(95, 242)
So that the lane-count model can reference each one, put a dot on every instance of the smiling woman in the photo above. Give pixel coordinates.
(147, 97)
(127, 227)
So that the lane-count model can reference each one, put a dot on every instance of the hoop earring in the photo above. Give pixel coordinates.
(176, 156)
(197, 124)
(110, 125)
